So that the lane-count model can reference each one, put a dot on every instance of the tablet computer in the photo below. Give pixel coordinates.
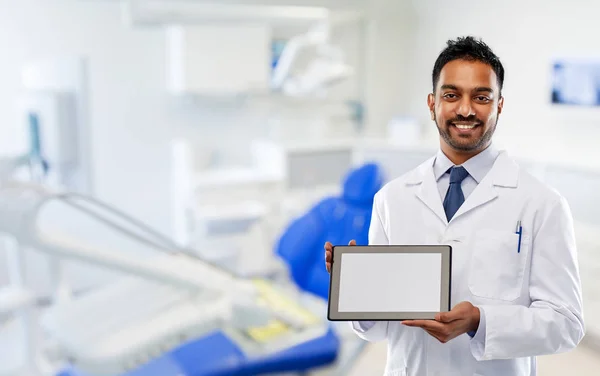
(389, 282)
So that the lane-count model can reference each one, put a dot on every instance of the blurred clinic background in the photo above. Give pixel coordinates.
(170, 169)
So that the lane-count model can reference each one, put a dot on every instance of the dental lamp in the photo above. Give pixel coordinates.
(309, 63)
(164, 301)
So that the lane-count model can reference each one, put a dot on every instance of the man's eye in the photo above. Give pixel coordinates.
(449, 95)
(482, 99)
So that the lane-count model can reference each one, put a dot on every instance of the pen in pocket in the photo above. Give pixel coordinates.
(519, 231)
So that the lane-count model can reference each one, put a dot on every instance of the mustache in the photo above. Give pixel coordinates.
(468, 119)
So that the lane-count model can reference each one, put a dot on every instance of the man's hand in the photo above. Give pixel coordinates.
(463, 318)
(329, 254)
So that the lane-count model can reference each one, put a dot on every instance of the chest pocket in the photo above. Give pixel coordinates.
(497, 266)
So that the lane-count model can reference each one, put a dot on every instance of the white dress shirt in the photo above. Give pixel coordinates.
(477, 167)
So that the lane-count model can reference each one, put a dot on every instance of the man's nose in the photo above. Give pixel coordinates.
(465, 109)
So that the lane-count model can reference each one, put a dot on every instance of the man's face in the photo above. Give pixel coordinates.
(466, 105)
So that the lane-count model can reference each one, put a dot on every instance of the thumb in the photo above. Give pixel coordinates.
(352, 242)
(459, 311)
(446, 316)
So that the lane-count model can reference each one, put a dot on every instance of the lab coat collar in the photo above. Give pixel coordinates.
(477, 166)
(504, 173)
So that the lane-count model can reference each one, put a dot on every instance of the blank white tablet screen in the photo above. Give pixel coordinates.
(390, 282)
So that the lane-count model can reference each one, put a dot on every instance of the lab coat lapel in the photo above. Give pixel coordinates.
(504, 173)
(428, 191)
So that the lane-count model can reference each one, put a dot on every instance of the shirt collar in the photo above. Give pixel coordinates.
(477, 166)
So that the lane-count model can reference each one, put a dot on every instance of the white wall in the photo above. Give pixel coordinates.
(526, 35)
(389, 54)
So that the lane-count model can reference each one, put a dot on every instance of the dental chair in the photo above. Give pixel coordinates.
(337, 220)
(171, 313)
(334, 219)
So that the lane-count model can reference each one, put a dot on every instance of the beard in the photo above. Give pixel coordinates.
(465, 145)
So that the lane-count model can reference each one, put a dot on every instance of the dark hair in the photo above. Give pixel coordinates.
(471, 49)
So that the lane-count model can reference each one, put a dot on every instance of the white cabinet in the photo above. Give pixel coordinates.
(218, 59)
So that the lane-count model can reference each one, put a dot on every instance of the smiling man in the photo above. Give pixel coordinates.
(467, 98)
(516, 289)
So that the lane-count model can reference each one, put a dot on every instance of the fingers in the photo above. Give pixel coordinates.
(441, 332)
(352, 242)
(426, 324)
(328, 257)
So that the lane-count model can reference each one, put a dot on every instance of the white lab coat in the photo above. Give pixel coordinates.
(530, 301)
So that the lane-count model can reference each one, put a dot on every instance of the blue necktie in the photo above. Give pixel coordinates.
(455, 197)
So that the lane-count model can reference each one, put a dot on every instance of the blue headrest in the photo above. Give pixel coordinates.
(361, 184)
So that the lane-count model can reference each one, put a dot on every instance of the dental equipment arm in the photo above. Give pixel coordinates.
(309, 63)
(21, 205)
(203, 276)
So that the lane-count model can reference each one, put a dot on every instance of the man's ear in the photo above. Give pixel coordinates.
(431, 105)
(500, 105)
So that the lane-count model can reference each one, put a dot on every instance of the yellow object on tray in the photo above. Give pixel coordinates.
(282, 304)
(269, 332)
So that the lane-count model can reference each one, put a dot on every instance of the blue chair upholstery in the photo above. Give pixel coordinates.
(217, 355)
(334, 219)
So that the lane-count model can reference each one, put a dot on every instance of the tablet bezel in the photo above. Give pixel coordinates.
(333, 313)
